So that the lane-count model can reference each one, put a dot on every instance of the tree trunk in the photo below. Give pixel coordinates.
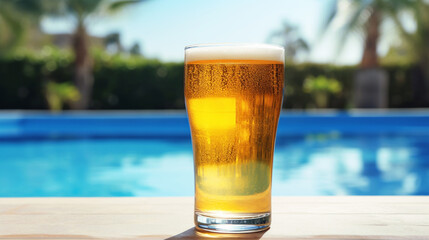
(83, 67)
(370, 58)
(371, 82)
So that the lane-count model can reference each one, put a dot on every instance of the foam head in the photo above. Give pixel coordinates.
(234, 52)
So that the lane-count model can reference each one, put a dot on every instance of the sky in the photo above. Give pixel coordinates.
(164, 27)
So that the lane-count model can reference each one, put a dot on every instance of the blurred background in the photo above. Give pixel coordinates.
(76, 54)
(128, 55)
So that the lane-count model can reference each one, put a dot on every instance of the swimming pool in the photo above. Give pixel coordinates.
(150, 154)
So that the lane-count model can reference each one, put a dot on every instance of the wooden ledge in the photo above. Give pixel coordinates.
(172, 218)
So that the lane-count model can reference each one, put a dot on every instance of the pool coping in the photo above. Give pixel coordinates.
(174, 123)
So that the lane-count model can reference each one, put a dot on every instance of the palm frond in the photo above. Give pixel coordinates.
(15, 29)
(331, 13)
(117, 5)
(353, 23)
(82, 8)
(37, 8)
(400, 27)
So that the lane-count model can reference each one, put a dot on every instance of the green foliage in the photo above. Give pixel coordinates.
(11, 29)
(129, 82)
(297, 98)
(136, 83)
(18, 18)
(135, 50)
(81, 9)
(321, 88)
(57, 94)
(356, 14)
(401, 54)
(23, 77)
(117, 5)
(321, 84)
(35, 8)
(416, 42)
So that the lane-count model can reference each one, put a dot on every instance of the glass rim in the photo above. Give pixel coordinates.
(246, 45)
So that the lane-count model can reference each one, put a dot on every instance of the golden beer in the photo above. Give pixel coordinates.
(233, 107)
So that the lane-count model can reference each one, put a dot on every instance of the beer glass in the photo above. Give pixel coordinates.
(233, 96)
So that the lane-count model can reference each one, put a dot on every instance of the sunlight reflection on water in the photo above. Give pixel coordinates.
(303, 165)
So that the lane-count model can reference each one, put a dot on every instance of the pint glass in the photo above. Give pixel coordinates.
(233, 98)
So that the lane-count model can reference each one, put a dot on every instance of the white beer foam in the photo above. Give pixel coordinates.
(234, 52)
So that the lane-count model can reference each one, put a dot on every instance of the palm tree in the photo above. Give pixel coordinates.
(365, 16)
(288, 37)
(81, 10)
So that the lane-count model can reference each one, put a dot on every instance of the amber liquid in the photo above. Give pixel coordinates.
(233, 108)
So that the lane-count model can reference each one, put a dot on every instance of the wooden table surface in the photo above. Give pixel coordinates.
(172, 218)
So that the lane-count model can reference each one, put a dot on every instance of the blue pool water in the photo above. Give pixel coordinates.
(151, 155)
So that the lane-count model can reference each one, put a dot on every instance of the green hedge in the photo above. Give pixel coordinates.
(136, 83)
(400, 93)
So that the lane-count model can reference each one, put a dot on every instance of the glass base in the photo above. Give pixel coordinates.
(238, 223)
